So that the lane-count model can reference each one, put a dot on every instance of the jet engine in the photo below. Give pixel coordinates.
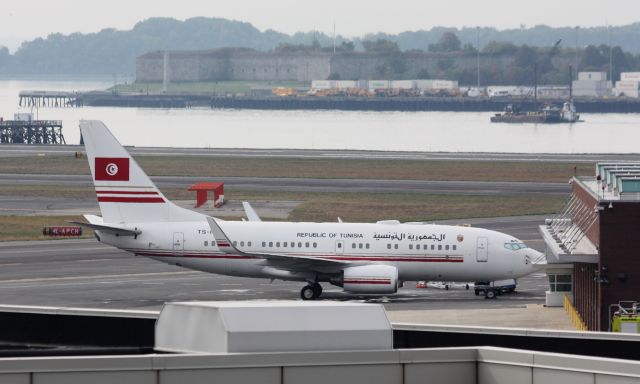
(370, 279)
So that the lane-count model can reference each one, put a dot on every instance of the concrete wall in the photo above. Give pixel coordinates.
(233, 65)
(243, 64)
(442, 366)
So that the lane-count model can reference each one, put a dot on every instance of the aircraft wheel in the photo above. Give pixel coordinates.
(307, 293)
(491, 294)
(317, 290)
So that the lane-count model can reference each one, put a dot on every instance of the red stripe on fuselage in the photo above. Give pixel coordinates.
(126, 193)
(195, 256)
(376, 282)
(116, 199)
(421, 259)
(391, 258)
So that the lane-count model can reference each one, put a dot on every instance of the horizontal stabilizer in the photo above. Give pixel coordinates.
(96, 223)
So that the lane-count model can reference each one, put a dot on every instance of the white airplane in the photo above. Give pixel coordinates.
(362, 258)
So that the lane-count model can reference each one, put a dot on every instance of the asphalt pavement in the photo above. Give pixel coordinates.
(17, 150)
(85, 273)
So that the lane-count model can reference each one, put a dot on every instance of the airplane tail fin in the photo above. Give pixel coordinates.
(125, 193)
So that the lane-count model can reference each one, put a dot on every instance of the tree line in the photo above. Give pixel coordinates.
(111, 51)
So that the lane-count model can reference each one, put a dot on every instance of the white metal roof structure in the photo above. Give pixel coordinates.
(276, 326)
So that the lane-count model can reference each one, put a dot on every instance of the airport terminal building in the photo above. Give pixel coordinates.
(590, 244)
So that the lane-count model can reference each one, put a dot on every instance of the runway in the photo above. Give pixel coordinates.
(486, 188)
(85, 273)
(17, 150)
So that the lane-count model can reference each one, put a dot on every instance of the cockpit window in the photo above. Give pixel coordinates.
(515, 246)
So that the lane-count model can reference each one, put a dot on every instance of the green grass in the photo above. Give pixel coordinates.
(371, 207)
(30, 227)
(208, 167)
(354, 207)
(318, 207)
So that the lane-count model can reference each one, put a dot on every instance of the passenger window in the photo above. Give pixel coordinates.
(411, 246)
(395, 246)
(339, 245)
(206, 243)
(439, 247)
(264, 244)
(417, 246)
(388, 246)
(315, 245)
(433, 247)
(306, 245)
(293, 244)
(284, 244)
(367, 245)
(271, 244)
(360, 245)
(242, 243)
(277, 244)
(353, 245)
(249, 244)
(235, 243)
(446, 247)
(299, 245)
(454, 247)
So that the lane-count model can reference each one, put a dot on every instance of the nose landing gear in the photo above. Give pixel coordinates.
(311, 291)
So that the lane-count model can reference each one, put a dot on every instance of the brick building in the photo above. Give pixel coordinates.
(590, 243)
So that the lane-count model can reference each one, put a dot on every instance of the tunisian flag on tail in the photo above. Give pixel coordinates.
(112, 168)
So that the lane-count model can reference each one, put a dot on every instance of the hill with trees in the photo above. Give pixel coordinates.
(111, 51)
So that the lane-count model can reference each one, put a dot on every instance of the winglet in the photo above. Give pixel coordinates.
(251, 213)
(226, 246)
(222, 241)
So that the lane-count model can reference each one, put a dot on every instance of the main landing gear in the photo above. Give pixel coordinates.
(311, 291)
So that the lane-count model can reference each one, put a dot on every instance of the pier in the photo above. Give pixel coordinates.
(57, 99)
(31, 132)
(419, 103)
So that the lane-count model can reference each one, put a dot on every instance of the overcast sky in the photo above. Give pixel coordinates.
(22, 20)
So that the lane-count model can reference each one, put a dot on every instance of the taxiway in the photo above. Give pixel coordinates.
(85, 273)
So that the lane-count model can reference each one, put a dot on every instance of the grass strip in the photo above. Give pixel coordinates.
(30, 227)
(351, 207)
(317, 168)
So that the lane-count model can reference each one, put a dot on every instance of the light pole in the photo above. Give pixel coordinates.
(576, 63)
(610, 56)
(478, 55)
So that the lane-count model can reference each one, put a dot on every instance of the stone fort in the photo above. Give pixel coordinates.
(247, 64)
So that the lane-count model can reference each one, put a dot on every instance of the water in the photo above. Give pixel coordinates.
(385, 131)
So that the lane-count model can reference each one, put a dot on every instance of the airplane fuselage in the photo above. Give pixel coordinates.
(418, 251)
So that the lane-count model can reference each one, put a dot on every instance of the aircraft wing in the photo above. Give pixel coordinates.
(96, 223)
(226, 245)
(251, 213)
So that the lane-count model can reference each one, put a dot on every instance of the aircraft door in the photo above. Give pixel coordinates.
(178, 241)
(482, 250)
(339, 247)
